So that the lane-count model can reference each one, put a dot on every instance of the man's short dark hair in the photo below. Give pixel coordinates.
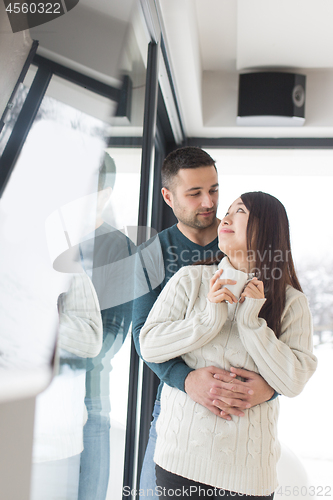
(188, 157)
(106, 173)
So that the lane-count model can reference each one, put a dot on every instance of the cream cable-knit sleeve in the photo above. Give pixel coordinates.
(80, 320)
(173, 328)
(286, 363)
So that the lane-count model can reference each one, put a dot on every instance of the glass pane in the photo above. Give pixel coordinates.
(302, 180)
(69, 216)
(58, 163)
(11, 117)
(76, 438)
(101, 381)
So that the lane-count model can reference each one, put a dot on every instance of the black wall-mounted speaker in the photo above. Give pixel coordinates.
(271, 99)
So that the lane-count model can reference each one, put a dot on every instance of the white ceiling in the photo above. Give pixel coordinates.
(118, 9)
(284, 33)
(259, 33)
(211, 41)
(217, 31)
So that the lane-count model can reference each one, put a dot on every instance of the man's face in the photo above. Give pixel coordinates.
(194, 196)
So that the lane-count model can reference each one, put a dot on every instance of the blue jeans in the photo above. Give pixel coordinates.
(148, 475)
(95, 458)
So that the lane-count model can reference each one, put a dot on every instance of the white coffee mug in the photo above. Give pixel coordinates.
(233, 274)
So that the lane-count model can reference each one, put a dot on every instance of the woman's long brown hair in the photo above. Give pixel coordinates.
(268, 243)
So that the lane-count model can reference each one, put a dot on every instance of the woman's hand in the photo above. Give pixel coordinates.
(218, 293)
(254, 290)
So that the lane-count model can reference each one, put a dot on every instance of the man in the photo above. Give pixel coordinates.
(103, 254)
(190, 188)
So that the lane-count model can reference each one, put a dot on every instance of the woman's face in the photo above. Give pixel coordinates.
(232, 230)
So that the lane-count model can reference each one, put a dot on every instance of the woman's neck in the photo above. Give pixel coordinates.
(239, 263)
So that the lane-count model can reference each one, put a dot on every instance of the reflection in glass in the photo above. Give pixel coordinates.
(70, 229)
(89, 233)
(58, 163)
(18, 101)
(75, 444)
(106, 257)
(60, 411)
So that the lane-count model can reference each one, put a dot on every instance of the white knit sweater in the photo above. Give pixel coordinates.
(241, 454)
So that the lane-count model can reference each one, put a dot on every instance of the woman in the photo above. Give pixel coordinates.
(269, 330)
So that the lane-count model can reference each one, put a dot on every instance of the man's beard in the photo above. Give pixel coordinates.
(196, 222)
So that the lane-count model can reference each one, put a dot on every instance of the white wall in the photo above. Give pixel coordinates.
(234, 36)
(14, 49)
(220, 100)
(16, 431)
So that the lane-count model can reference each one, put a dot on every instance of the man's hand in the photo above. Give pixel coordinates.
(254, 390)
(207, 386)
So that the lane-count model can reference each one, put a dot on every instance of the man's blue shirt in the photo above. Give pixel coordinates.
(172, 251)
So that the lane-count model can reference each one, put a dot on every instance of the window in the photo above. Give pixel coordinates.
(302, 180)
